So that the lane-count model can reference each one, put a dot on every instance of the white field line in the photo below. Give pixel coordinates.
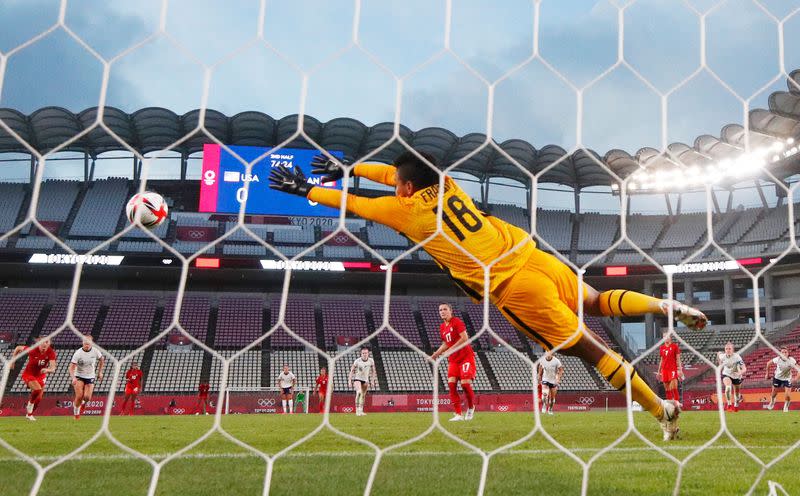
(350, 454)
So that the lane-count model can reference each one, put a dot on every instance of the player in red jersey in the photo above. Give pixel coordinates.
(670, 368)
(133, 385)
(322, 387)
(202, 398)
(461, 360)
(41, 361)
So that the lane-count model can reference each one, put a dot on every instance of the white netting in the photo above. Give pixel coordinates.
(401, 80)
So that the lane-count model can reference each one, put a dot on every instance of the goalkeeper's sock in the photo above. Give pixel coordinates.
(29, 408)
(621, 303)
(468, 391)
(612, 366)
(455, 399)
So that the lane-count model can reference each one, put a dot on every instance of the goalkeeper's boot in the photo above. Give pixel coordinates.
(692, 318)
(470, 413)
(669, 419)
(456, 418)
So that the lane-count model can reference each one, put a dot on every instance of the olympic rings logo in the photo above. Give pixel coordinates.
(347, 409)
(586, 400)
(502, 408)
(266, 402)
(178, 411)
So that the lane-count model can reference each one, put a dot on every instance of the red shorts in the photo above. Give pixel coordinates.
(462, 370)
(131, 390)
(26, 378)
(669, 375)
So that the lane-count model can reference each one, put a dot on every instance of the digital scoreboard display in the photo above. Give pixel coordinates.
(222, 183)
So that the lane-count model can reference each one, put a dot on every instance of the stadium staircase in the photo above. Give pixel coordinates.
(756, 223)
(208, 358)
(265, 346)
(155, 329)
(101, 319)
(421, 329)
(487, 367)
(383, 382)
(573, 242)
(73, 212)
(39, 325)
(319, 327)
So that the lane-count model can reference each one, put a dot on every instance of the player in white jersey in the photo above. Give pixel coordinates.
(784, 369)
(362, 374)
(287, 381)
(82, 367)
(732, 370)
(550, 371)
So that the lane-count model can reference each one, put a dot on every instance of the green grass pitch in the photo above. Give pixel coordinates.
(331, 464)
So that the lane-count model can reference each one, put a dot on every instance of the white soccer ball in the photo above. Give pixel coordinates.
(148, 207)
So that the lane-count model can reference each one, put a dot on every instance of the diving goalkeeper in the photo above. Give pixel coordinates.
(535, 291)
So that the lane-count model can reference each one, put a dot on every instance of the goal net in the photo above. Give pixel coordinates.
(529, 105)
(263, 400)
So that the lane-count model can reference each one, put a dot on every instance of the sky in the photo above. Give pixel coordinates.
(577, 73)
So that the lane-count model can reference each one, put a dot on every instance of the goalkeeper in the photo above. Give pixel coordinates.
(535, 291)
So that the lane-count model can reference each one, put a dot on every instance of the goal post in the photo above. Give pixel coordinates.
(239, 400)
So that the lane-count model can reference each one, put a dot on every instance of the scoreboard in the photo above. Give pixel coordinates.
(224, 176)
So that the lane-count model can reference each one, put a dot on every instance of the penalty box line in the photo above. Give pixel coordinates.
(352, 454)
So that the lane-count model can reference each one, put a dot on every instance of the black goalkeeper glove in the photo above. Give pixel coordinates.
(289, 181)
(323, 165)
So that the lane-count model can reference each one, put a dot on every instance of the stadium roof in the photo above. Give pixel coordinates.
(152, 129)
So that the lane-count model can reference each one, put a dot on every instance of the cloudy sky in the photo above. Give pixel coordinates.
(597, 79)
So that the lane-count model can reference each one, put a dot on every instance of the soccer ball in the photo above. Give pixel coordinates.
(150, 208)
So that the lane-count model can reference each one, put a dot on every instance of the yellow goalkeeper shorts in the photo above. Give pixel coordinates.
(541, 301)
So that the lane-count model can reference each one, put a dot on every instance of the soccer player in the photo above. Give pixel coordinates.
(133, 384)
(41, 361)
(732, 370)
(550, 371)
(202, 398)
(784, 369)
(535, 291)
(362, 373)
(670, 368)
(85, 368)
(287, 381)
(460, 358)
(321, 387)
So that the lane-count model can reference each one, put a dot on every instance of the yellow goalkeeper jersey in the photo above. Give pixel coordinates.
(468, 232)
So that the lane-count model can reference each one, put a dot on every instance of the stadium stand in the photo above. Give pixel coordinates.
(129, 320)
(512, 372)
(87, 306)
(555, 227)
(401, 319)
(174, 371)
(244, 371)
(20, 311)
(407, 371)
(597, 232)
(239, 321)
(13, 196)
(304, 365)
(772, 226)
(511, 214)
(684, 232)
(643, 230)
(101, 208)
(343, 317)
(193, 317)
(481, 382)
(744, 220)
(56, 199)
(300, 319)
